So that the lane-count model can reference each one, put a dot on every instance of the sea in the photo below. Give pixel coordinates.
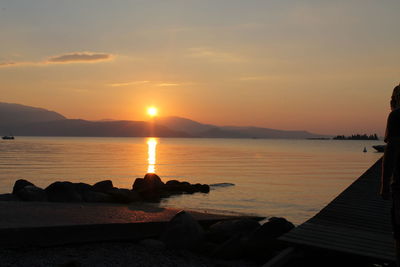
(265, 177)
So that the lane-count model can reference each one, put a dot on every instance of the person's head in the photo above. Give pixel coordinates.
(395, 101)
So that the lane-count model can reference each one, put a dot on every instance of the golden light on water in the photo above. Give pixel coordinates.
(152, 111)
(151, 148)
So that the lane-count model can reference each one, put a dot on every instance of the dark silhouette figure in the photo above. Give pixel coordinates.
(390, 185)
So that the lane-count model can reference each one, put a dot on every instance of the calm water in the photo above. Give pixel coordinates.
(289, 178)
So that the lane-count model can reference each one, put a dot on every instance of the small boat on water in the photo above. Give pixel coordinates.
(379, 148)
(8, 137)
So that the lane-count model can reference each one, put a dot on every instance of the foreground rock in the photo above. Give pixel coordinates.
(150, 188)
(233, 239)
(183, 232)
(246, 238)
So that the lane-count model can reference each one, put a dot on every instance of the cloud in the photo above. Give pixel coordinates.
(80, 57)
(75, 57)
(149, 83)
(214, 55)
(127, 83)
(167, 84)
(8, 64)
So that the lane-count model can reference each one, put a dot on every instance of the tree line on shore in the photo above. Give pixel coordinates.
(357, 137)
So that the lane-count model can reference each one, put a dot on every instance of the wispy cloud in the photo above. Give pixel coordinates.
(214, 55)
(7, 64)
(128, 83)
(148, 83)
(80, 57)
(167, 84)
(69, 58)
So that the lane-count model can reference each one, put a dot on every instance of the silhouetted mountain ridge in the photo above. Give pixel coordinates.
(16, 114)
(30, 121)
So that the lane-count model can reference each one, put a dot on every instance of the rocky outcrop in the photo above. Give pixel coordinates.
(32, 193)
(150, 188)
(19, 184)
(103, 186)
(63, 192)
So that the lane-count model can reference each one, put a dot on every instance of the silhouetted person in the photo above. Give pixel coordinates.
(390, 185)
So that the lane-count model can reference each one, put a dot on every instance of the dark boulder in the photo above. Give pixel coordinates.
(262, 243)
(19, 184)
(103, 186)
(82, 188)
(183, 232)
(150, 182)
(150, 188)
(92, 196)
(32, 193)
(9, 197)
(138, 185)
(121, 195)
(173, 186)
(63, 192)
(224, 230)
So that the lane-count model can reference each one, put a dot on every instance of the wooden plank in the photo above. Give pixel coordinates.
(357, 221)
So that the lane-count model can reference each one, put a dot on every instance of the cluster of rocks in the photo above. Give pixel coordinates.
(233, 239)
(149, 188)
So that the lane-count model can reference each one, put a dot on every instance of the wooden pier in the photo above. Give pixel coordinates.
(356, 222)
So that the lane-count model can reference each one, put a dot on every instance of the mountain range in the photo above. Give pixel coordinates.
(20, 120)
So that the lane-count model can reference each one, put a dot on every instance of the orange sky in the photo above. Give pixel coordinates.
(311, 65)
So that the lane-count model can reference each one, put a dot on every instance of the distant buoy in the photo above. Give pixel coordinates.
(365, 150)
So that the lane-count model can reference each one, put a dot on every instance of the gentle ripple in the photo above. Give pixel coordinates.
(289, 178)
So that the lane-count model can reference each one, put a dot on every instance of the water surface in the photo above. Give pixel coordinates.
(289, 178)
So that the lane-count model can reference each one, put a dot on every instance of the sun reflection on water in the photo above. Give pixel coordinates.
(151, 145)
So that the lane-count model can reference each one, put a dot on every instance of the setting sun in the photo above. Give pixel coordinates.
(152, 111)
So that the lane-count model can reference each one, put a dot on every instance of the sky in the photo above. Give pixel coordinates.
(328, 67)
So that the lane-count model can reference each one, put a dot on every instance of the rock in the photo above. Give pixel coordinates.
(175, 186)
(224, 230)
(63, 192)
(103, 186)
(150, 182)
(153, 244)
(92, 196)
(138, 184)
(262, 243)
(205, 188)
(150, 188)
(82, 188)
(19, 184)
(9, 197)
(32, 193)
(121, 195)
(183, 232)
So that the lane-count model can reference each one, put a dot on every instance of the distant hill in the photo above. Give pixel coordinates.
(212, 131)
(184, 125)
(98, 129)
(16, 114)
(30, 121)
